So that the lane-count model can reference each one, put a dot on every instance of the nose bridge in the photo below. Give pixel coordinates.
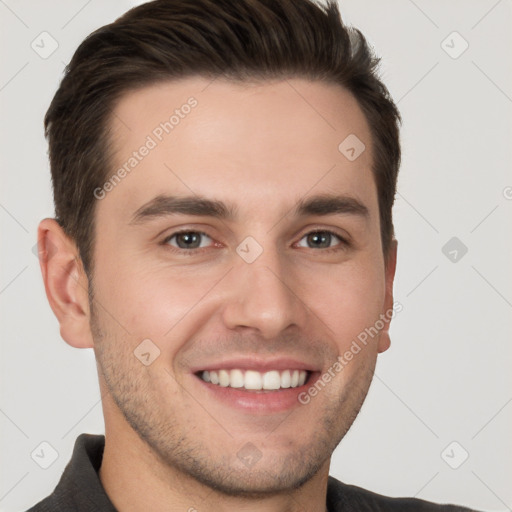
(260, 295)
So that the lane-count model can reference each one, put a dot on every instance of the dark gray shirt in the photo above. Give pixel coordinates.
(80, 489)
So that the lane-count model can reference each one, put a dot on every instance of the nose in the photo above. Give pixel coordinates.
(261, 298)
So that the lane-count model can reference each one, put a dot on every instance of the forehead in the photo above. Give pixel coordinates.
(270, 141)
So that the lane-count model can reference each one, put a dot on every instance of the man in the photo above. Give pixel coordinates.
(223, 176)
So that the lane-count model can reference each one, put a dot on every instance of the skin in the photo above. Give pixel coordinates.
(261, 148)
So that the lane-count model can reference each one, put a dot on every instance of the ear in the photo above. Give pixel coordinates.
(390, 267)
(65, 282)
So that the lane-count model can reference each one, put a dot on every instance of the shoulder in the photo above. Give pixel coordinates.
(349, 498)
(79, 488)
(62, 499)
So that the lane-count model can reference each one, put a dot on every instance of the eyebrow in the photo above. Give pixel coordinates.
(327, 204)
(164, 205)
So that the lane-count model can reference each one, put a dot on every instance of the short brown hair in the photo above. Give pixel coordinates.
(237, 39)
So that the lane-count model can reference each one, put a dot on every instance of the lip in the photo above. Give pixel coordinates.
(257, 364)
(261, 402)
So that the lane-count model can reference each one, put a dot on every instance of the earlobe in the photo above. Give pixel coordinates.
(65, 283)
(384, 339)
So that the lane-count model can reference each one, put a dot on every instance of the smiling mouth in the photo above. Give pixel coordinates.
(251, 380)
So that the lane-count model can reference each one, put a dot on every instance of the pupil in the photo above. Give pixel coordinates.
(188, 240)
(320, 239)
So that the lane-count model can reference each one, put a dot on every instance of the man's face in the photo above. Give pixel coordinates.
(274, 286)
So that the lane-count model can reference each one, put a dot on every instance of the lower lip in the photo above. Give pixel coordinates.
(261, 401)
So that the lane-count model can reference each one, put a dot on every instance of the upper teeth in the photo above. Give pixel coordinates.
(250, 379)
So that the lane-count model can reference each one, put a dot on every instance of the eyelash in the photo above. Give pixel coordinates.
(342, 245)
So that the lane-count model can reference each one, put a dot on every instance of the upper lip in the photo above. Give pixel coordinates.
(258, 364)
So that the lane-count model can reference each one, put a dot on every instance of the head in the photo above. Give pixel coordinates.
(260, 132)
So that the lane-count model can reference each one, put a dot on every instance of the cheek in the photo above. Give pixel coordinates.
(347, 298)
(150, 300)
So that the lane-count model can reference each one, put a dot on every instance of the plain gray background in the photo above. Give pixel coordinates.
(443, 390)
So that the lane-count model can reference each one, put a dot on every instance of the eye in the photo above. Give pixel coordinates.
(188, 240)
(320, 240)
